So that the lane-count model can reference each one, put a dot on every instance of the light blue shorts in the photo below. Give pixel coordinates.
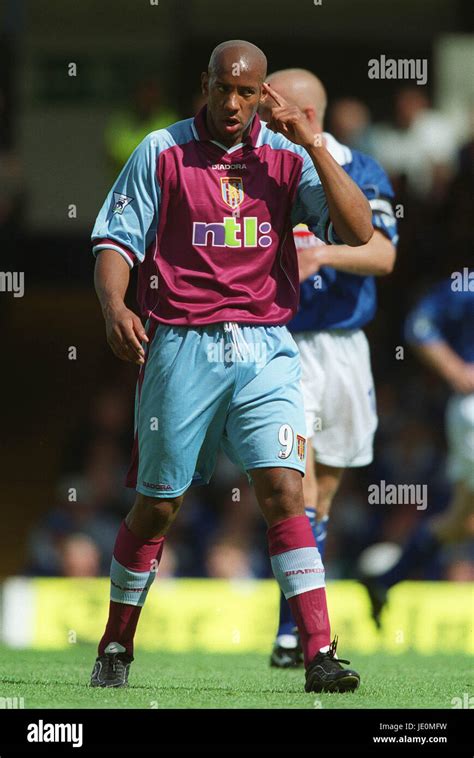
(205, 387)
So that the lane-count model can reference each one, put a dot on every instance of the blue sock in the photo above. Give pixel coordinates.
(320, 530)
(420, 547)
(286, 623)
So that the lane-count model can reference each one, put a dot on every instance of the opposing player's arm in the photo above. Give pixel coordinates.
(123, 327)
(440, 357)
(349, 209)
(425, 330)
(376, 258)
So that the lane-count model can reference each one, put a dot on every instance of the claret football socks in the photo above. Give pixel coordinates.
(132, 572)
(298, 569)
(287, 651)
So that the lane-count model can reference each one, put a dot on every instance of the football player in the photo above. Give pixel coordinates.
(337, 299)
(218, 275)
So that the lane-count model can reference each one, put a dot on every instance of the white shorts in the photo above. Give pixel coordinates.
(339, 396)
(460, 434)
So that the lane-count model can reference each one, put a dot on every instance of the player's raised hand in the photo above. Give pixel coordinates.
(125, 333)
(288, 119)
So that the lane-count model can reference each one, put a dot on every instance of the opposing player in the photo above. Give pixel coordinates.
(207, 207)
(338, 298)
(440, 330)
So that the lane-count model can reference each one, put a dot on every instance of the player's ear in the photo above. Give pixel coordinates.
(311, 117)
(205, 83)
(262, 103)
(263, 110)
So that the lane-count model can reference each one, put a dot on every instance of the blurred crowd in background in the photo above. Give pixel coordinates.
(219, 532)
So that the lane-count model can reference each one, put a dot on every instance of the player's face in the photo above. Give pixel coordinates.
(232, 103)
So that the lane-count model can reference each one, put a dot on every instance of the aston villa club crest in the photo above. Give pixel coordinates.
(301, 446)
(232, 190)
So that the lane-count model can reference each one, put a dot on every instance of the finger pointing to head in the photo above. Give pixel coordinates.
(279, 100)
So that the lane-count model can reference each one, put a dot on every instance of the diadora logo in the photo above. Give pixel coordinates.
(225, 234)
(228, 166)
(294, 572)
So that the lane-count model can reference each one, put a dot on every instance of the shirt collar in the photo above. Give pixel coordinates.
(341, 153)
(202, 131)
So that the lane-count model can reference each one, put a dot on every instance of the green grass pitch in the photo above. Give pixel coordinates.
(59, 679)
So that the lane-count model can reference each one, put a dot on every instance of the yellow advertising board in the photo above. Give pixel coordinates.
(240, 616)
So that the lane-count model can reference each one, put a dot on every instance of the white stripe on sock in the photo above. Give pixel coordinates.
(298, 571)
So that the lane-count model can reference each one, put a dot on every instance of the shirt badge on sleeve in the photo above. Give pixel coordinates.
(120, 202)
(301, 446)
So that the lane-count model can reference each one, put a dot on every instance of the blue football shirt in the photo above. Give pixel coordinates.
(445, 314)
(333, 299)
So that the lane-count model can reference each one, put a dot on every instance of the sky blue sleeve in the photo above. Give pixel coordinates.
(310, 206)
(128, 219)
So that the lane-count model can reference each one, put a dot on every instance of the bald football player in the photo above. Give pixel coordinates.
(206, 209)
(337, 299)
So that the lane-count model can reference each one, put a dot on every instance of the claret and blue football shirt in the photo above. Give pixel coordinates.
(211, 226)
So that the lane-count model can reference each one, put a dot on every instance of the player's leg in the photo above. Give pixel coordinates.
(150, 518)
(310, 483)
(337, 389)
(341, 418)
(286, 650)
(456, 523)
(265, 434)
(320, 485)
(298, 569)
(292, 548)
(173, 429)
(430, 534)
(329, 480)
(348, 418)
(425, 541)
(136, 557)
(453, 525)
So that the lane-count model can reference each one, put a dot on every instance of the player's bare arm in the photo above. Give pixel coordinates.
(349, 209)
(376, 258)
(448, 365)
(123, 327)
